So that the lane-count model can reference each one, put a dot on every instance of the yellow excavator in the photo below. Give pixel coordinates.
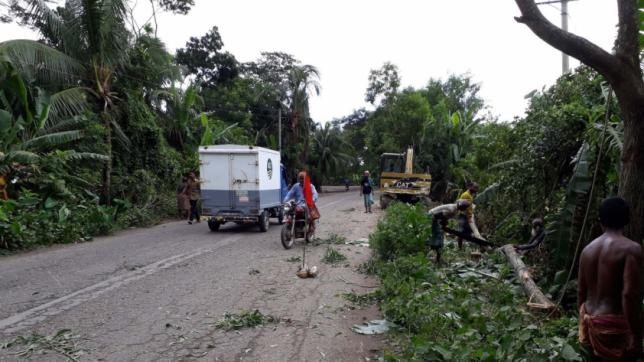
(399, 182)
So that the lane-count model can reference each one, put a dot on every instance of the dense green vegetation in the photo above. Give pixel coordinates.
(99, 121)
(461, 310)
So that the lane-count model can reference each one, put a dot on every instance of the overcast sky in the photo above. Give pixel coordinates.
(424, 38)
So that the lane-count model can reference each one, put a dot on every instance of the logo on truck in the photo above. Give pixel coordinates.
(269, 168)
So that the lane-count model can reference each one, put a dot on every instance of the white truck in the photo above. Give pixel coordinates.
(240, 184)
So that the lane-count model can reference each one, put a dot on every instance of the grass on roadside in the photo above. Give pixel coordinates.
(369, 267)
(333, 257)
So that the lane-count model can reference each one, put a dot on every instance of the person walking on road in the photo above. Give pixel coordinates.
(183, 200)
(610, 289)
(366, 191)
(193, 191)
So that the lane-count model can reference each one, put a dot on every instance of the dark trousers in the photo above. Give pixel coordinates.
(194, 210)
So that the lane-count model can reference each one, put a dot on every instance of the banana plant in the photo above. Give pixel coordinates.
(564, 231)
(215, 132)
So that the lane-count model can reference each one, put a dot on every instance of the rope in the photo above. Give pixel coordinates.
(590, 200)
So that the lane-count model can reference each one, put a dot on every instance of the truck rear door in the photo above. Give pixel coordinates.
(244, 181)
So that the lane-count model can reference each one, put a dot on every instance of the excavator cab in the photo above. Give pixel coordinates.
(399, 182)
(392, 162)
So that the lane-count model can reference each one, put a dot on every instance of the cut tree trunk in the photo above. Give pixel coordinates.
(536, 299)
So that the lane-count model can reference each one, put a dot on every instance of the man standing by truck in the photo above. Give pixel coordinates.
(193, 191)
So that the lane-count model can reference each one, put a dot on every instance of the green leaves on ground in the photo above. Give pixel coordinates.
(244, 319)
(466, 311)
(361, 300)
(331, 239)
(450, 315)
(63, 342)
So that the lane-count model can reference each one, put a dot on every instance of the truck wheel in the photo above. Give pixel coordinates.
(264, 221)
(213, 225)
(286, 237)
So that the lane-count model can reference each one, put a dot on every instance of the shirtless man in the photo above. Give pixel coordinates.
(610, 289)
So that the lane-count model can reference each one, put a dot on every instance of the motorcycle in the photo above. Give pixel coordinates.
(296, 225)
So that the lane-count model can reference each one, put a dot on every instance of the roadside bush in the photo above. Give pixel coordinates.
(403, 231)
(466, 311)
(29, 221)
(453, 314)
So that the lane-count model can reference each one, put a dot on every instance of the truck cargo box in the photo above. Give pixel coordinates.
(240, 183)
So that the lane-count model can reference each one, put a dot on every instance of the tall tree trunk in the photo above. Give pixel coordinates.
(107, 168)
(623, 71)
(631, 180)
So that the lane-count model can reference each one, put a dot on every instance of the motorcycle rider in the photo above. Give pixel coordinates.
(297, 193)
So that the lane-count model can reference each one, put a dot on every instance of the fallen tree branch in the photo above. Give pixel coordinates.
(536, 298)
(466, 237)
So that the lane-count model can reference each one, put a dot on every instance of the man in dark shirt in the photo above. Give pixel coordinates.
(366, 191)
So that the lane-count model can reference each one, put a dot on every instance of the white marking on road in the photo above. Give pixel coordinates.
(40, 313)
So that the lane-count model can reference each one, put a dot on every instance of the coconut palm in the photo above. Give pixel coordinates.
(93, 36)
(181, 116)
(330, 149)
(33, 123)
(303, 81)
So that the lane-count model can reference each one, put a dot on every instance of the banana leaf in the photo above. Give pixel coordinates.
(562, 235)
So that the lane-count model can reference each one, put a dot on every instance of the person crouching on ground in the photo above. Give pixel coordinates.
(610, 289)
(366, 191)
(440, 217)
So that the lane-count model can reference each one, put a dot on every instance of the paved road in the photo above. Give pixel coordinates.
(154, 294)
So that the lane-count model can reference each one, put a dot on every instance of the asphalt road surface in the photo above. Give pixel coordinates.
(154, 294)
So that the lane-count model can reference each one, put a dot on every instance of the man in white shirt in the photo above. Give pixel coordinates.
(440, 217)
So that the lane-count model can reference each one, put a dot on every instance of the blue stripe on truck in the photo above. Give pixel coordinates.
(222, 200)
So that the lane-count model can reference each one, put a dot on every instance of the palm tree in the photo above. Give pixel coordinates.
(181, 114)
(330, 149)
(93, 36)
(33, 124)
(303, 81)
